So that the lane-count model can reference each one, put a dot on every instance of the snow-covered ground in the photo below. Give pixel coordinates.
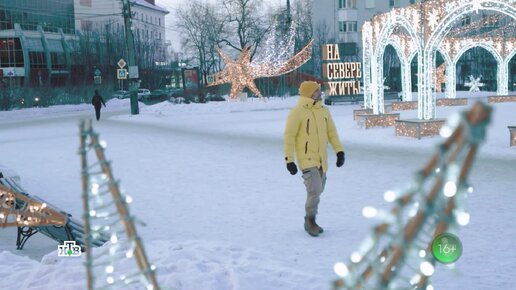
(222, 212)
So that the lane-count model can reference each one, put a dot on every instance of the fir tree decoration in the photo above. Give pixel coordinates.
(106, 214)
(397, 254)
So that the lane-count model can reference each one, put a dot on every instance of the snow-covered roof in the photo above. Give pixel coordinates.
(150, 6)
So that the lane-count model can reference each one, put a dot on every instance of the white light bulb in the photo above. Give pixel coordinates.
(103, 144)
(150, 287)
(437, 170)
(382, 259)
(369, 212)
(114, 239)
(93, 213)
(470, 189)
(463, 218)
(389, 196)
(128, 199)
(110, 280)
(429, 287)
(153, 267)
(450, 189)
(95, 188)
(426, 268)
(129, 254)
(356, 257)
(445, 132)
(341, 269)
(422, 253)
(110, 269)
(415, 279)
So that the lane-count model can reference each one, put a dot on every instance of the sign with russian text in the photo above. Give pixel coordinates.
(341, 78)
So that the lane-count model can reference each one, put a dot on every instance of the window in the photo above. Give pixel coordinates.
(159, 21)
(37, 59)
(347, 26)
(11, 54)
(370, 4)
(466, 20)
(394, 3)
(347, 4)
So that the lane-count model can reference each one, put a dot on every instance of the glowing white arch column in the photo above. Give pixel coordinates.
(451, 80)
(406, 78)
(503, 79)
(366, 61)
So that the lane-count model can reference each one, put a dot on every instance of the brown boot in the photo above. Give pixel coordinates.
(318, 227)
(311, 227)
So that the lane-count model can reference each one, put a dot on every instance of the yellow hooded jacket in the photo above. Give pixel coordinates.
(308, 130)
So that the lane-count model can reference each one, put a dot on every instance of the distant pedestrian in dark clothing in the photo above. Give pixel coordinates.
(97, 101)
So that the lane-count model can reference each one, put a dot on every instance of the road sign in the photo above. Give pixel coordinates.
(121, 74)
(210, 79)
(133, 72)
(121, 63)
(97, 72)
(97, 80)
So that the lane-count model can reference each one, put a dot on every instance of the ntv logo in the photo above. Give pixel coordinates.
(69, 249)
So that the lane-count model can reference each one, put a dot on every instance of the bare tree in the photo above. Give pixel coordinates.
(321, 36)
(244, 17)
(201, 28)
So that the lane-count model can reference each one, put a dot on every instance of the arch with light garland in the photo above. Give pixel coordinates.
(435, 20)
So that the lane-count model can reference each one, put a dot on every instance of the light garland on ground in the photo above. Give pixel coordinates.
(434, 21)
(18, 210)
(418, 128)
(403, 106)
(382, 120)
(106, 214)
(501, 99)
(452, 102)
(396, 254)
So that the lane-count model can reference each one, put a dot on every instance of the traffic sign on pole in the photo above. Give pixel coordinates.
(121, 74)
(121, 63)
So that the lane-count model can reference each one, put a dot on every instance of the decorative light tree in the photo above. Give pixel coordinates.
(106, 213)
(397, 254)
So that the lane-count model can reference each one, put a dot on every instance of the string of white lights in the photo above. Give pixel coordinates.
(396, 254)
(107, 216)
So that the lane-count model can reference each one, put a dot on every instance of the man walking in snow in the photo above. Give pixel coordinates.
(97, 101)
(308, 130)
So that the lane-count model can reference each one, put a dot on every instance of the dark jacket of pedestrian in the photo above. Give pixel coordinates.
(97, 101)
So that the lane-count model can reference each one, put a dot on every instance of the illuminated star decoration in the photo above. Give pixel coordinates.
(242, 72)
(474, 84)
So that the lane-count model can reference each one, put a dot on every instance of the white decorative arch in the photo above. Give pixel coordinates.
(499, 61)
(455, 10)
(435, 18)
(381, 42)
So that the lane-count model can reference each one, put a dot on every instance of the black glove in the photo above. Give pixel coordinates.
(340, 158)
(292, 168)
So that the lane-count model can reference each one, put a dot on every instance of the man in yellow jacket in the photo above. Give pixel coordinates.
(308, 130)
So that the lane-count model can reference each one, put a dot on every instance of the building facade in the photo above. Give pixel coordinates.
(104, 17)
(51, 42)
(34, 41)
(342, 20)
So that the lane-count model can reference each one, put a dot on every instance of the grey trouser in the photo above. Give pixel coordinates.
(314, 179)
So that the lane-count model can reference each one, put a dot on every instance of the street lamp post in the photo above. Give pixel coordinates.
(131, 61)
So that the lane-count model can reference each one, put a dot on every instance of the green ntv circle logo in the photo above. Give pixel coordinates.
(446, 248)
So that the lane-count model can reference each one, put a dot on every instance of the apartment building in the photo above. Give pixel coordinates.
(342, 20)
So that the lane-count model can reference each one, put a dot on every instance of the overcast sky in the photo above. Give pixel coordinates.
(171, 5)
